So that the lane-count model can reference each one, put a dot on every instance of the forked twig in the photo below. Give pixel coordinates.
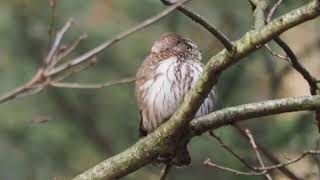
(48, 71)
(230, 150)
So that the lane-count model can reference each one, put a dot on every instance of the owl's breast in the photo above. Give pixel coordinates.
(163, 93)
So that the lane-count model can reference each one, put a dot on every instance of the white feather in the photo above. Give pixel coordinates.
(164, 96)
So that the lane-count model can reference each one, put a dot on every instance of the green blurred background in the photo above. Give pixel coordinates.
(86, 126)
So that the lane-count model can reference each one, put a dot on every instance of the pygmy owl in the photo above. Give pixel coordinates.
(163, 80)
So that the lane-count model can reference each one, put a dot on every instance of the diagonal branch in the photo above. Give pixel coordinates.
(166, 137)
(273, 10)
(57, 41)
(261, 7)
(228, 44)
(255, 148)
(269, 156)
(217, 138)
(298, 66)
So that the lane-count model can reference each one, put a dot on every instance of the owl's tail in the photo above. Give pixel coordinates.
(182, 157)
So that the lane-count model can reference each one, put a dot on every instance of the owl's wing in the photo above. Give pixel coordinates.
(146, 72)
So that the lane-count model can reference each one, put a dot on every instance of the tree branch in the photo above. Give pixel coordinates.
(92, 86)
(273, 10)
(57, 41)
(255, 148)
(269, 156)
(217, 138)
(112, 41)
(262, 171)
(236, 114)
(48, 70)
(168, 135)
(260, 21)
(228, 44)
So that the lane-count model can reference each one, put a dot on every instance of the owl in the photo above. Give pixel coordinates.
(166, 75)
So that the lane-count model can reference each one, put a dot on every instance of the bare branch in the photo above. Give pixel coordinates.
(217, 138)
(53, 5)
(112, 41)
(236, 114)
(13, 94)
(276, 54)
(262, 171)
(48, 70)
(237, 172)
(68, 50)
(310, 152)
(57, 41)
(255, 148)
(269, 155)
(259, 11)
(298, 67)
(312, 81)
(261, 7)
(273, 10)
(23, 89)
(228, 44)
(76, 70)
(92, 86)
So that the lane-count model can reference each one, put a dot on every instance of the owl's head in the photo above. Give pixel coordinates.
(177, 43)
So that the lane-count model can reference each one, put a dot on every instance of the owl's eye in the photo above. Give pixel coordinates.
(189, 48)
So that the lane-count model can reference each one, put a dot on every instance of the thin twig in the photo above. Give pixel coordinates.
(298, 66)
(13, 94)
(269, 155)
(53, 4)
(49, 71)
(76, 70)
(309, 152)
(68, 50)
(165, 171)
(262, 170)
(57, 41)
(217, 138)
(228, 44)
(255, 148)
(273, 10)
(92, 86)
(237, 172)
(23, 89)
(276, 54)
(112, 41)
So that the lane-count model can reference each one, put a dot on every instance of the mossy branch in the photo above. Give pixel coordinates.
(236, 114)
(167, 136)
